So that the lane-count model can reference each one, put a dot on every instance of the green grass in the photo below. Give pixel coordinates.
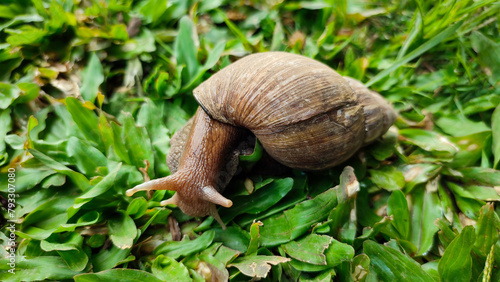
(91, 90)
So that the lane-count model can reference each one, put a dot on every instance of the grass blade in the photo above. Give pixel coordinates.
(445, 34)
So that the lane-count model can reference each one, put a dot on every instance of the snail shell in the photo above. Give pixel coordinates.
(305, 114)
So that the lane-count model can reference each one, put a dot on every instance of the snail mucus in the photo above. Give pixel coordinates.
(305, 115)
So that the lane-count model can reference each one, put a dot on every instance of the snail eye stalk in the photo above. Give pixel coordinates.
(212, 195)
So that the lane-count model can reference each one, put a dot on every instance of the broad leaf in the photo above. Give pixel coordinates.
(310, 249)
(183, 248)
(296, 221)
(168, 269)
(257, 266)
(122, 230)
(115, 275)
(392, 265)
(456, 263)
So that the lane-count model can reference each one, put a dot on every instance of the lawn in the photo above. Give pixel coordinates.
(92, 91)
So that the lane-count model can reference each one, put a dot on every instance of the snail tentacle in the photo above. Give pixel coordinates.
(174, 200)
(212, 195)
(164, 183)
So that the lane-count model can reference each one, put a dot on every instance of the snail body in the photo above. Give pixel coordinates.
(305, 115)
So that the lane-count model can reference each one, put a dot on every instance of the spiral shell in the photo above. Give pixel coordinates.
(305, 114)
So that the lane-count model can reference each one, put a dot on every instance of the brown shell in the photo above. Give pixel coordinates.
(304, 113)
(379, 115)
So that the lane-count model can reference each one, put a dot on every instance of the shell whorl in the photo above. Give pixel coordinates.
(379, 115)
(303, 112)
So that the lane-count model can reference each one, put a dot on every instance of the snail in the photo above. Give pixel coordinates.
(304, 114)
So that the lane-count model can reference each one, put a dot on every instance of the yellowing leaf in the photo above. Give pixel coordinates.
(257, 266)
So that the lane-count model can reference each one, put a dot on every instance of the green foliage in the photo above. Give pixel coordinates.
(92, 91)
